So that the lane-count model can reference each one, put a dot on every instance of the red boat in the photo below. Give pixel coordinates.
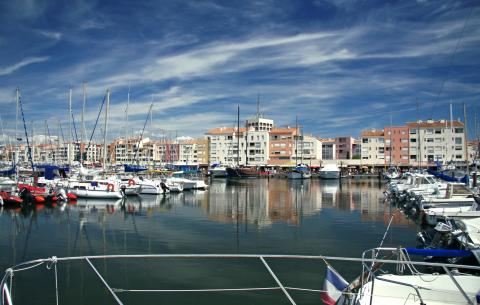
(9, 199)
(41, 195)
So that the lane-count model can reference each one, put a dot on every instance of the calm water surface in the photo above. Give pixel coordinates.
(264, 216)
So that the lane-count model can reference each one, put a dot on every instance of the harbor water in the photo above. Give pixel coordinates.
(254, 216)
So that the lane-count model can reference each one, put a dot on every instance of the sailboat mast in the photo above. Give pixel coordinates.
(83, 121)
(419, 144)
(17, 99)
(33, 143)
(105, 126)
(296, 140)
(451, 131)
(466, 136)
(238, 136)
(126, 124)
(70, 135)
(246, 143)
(390, 165)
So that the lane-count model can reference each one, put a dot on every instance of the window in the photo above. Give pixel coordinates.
(365, 140)
(458, 130)
(458, 140)
(413, 140)
(438, 131)
(404, 132)
(413, 157)
(413, 131)
(404, 140)
(429, 140)
(429, 131)
(458, 156)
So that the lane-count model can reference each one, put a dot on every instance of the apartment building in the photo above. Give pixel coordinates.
(344, 147)
(225, 141)
(282, 142)
(328, 149)
(373, 147)
(397, 145)
(259, 123)
(309, 148)
(432, 141)
(193, 151)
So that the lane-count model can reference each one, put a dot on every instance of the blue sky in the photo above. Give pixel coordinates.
(340, 66)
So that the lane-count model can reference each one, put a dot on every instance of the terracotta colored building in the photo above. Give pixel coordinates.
(282, 145)
(397, 145)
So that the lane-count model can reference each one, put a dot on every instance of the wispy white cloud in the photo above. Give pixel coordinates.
(21, 64)
(51, 34)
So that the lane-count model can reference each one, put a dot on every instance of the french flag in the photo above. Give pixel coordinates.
(333, 286)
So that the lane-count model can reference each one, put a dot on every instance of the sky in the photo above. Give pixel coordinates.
(340, 66)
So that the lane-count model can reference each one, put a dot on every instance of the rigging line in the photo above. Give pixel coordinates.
(74, 127)
(96, 122)
(452, 57)
(141, 135)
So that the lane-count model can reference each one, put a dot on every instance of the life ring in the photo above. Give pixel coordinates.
(110, 187)
(131, 182)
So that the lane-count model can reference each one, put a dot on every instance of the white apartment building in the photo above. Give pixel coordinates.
(308, 149)
(224, 148)
(432, 141)
(259, 123)
(373, 147)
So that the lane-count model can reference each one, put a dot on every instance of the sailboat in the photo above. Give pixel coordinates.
(301, 171)
(241, 171)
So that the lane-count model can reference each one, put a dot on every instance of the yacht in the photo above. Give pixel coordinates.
(330, 171)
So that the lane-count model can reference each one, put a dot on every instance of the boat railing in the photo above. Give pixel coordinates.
(403, 261)
(51, 263)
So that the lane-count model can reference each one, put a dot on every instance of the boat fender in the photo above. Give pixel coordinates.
(39, 199)
(131, 182)
(110, 187)
(71, 196)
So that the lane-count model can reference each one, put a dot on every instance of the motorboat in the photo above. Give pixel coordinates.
(218, 171)
(178, 178)
(102, 189)
(129, 187)
(329, 171)
(150, 187)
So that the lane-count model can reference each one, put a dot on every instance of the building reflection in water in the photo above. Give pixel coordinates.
(260, 202)
(266, 201)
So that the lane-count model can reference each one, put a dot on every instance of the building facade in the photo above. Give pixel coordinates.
(432, 141)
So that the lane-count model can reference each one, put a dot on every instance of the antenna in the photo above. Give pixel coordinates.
(258, 105)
